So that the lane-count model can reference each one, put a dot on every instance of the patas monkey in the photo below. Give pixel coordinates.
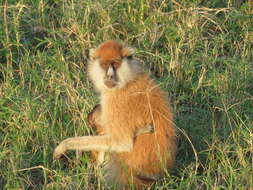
(129, 101)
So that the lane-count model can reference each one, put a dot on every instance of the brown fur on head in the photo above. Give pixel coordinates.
(112, 66)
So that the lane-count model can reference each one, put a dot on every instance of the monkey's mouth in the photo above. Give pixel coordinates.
(110, 83)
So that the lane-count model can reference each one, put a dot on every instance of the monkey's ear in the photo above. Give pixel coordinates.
(91, 53)
(87, 53)
(127, 52)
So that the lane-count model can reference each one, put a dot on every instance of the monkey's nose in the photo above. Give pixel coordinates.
(109, 77)
(110, 72)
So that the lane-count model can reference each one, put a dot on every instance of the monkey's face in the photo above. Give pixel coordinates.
(112, 66)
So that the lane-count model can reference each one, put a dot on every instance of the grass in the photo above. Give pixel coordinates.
(200, 52)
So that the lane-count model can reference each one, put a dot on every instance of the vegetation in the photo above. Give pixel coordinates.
(199, 51)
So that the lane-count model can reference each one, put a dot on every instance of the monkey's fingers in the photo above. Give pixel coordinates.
(59, 151)
(145, 129)
(150, 128)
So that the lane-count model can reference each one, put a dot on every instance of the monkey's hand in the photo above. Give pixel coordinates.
(145, 129)
(59, 150)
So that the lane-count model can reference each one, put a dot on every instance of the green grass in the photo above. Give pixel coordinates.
(201, 52)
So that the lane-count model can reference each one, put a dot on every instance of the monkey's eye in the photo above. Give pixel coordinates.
(130, 57)
(115, 65)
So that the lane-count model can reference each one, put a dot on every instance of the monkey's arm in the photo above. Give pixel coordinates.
(94, 120)
(94, 143)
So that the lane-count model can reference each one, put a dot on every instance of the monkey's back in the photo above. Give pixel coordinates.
(138, 104)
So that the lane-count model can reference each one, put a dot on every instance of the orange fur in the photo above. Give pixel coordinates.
(142, 102)
(129, 101)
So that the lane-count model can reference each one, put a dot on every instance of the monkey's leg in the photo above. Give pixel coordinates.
(97, 143)
(123, 177)
(114, 176)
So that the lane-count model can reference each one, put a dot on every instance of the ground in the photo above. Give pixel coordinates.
(200, 52)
